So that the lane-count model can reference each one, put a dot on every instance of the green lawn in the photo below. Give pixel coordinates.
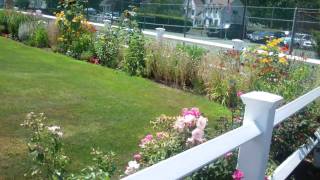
(96, 106)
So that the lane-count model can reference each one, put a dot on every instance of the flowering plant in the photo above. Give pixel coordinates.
(269, 61)
(45, 148)
(73, 26)
(174, 135)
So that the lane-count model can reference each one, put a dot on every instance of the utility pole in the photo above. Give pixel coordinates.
(293, 31)
(244, 23)
(185, 19)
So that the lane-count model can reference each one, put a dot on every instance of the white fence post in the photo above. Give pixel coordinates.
(253, 155)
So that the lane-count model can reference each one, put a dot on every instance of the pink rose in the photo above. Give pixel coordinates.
(137, 157)
(197, 135)
(239, 93)
(202, 123)
(160, 135)
(238, 175)
(179, 124)
(145, 140)
(228, 155)
(193, 111)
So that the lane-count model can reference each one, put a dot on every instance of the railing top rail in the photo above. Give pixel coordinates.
(294, 106)
(189, 161)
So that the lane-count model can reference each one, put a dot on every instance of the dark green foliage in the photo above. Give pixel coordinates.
(22, 4)
(39, 38)
(316, 36)
(134, 62)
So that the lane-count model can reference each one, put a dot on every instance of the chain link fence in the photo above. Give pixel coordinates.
(299, 27)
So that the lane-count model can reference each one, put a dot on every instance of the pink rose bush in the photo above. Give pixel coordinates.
(173, 135)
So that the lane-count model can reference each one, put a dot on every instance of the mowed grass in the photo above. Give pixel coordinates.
(96, 106)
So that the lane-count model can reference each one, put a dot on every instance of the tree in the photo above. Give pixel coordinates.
(22, 4)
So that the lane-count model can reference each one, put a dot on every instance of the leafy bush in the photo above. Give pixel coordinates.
(134, 62)
(74, 28)
(39, 37)
(45, 148)
(107, 49)
(103, 167)
(316, 35)
(48, 157)
(194, 52)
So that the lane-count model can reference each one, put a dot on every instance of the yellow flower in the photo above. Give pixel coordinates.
(60, 39)
(283, 60)
(265, 60)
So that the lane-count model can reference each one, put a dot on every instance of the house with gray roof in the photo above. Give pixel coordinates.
(215, 13)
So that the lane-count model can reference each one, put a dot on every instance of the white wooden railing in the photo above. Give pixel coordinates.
(253, 139)
(209, 43)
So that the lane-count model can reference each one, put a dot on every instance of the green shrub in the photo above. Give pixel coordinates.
(107, 49)
(3, 22)
(80, 45)
(39, 37)
(45, 145)
(134, 62)
(195, 52)
(316, 36)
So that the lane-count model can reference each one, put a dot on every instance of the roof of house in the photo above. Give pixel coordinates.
(199, 2)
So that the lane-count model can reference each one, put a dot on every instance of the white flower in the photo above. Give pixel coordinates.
(202, 122)
(60, 134)
(134, 164)
(189, 118)
(179, 124)
(53, 129)
(132, 167)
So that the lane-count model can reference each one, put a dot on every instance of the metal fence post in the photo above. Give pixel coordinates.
(293, 31)
(244, 20)
(253, 155)
(185, 19)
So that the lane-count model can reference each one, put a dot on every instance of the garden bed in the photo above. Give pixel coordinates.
(96, 106)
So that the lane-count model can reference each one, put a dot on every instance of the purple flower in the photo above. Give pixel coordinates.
(238, 175)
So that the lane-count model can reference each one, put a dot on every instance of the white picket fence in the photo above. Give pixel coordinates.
(253, 139)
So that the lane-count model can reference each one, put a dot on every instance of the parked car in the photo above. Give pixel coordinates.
(234, 31)
(261, 36)
(301, 40)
